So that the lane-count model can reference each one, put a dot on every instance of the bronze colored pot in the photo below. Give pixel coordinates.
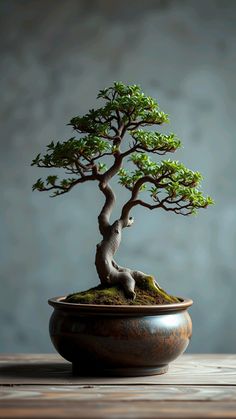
(120, 340)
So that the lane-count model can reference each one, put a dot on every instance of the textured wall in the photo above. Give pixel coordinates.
(55, 55)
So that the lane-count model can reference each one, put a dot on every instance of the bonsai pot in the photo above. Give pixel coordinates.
(120, 340)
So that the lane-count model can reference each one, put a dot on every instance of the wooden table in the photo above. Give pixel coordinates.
(41, 386)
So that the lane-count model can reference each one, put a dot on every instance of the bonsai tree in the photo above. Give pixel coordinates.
(118, 130)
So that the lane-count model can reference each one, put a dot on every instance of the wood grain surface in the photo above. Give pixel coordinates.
(42, 386)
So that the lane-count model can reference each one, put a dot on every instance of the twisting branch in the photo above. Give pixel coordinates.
(114, 169)
(104, 216)
(60, 189)
(133, 199)
(168, 203)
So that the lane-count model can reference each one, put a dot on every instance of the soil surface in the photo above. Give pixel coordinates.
(115, 296)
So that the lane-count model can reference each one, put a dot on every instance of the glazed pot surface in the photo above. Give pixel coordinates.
(120, 340)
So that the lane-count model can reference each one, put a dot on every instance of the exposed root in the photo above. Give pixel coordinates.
(111, 274)
(142, 281)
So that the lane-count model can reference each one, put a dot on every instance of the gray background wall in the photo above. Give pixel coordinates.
(55, 55)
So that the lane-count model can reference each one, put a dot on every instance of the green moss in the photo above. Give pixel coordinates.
(146, 283)
(147, 293)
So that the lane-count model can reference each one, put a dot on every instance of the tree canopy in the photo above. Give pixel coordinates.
(117, 129)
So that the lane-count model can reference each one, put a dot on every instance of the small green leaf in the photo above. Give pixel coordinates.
(51, 180)
(51, 146)
(39, 185)
(36, 160)
(102, 167)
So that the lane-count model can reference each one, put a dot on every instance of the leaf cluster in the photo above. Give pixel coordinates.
(67, 153)
(155, 142)
(171, 178)
(122, 102)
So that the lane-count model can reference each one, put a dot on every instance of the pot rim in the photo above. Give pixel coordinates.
(135, 310)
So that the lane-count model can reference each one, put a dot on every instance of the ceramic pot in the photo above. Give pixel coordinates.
(120, 340)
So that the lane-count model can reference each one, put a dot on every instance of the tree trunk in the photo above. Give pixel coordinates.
(108, 271)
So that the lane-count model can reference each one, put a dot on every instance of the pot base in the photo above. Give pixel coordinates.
(77, 370)
(110, 340)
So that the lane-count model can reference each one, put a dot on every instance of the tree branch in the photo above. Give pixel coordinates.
(134, 201)
(142, 149)
(114, 169)
(65, 189)
(104, 216)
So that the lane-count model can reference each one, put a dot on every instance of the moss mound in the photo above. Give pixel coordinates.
(147, 293)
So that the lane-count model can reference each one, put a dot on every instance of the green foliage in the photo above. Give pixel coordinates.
(130, 101)
(126, 110)
(169, 177)
(51, 180)
(156, 142)
(66, 154)
(36, 161)
(102, 167)
(38, 185)
(94, 122)
(128, 179)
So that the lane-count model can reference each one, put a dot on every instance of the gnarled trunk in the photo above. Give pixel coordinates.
(108, 271)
